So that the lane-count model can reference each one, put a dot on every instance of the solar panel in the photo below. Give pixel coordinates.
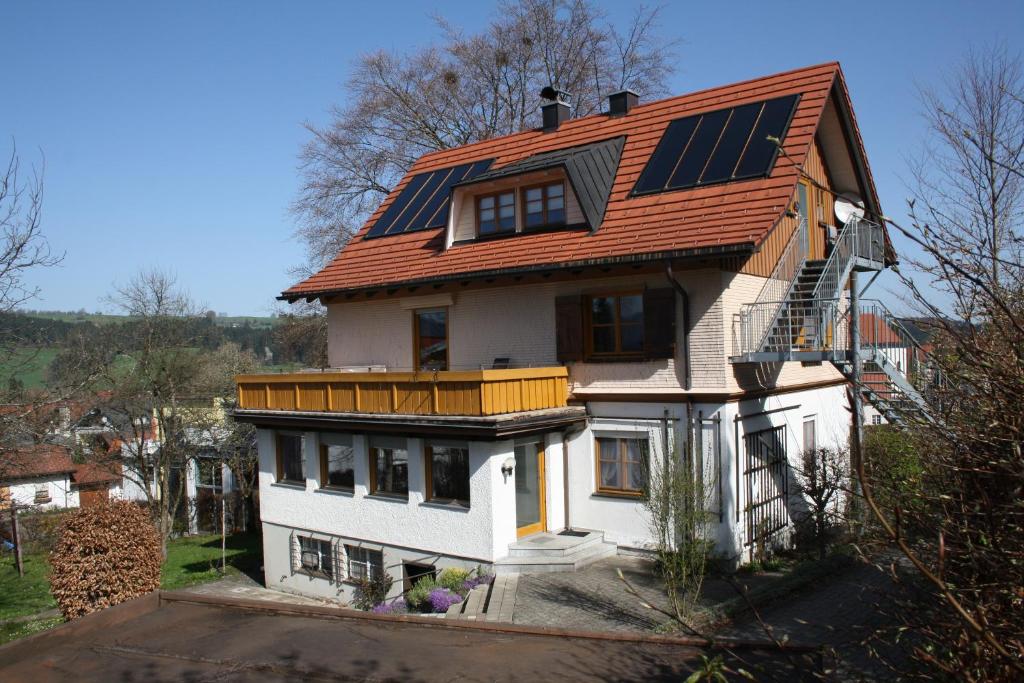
(717, 146)
(423, 202)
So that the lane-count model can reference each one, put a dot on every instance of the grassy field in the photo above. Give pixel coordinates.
(29, 365)
(190, 561)
(106, 319)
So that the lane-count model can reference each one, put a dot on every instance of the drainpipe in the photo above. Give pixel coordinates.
(686, 322)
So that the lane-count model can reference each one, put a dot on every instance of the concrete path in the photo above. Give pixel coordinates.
(244, 587)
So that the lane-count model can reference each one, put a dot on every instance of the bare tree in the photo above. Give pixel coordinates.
(468, 87)
(961, 524)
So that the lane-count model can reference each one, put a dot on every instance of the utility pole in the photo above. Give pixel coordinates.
(15, 536)
(858, 402)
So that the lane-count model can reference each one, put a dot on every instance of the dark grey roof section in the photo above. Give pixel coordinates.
(591, 170)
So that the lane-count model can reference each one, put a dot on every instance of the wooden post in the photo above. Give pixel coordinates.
(16, 538)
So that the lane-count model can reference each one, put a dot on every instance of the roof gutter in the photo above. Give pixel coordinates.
(702, 252)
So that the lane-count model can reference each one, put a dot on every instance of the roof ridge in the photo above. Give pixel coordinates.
(637, 109)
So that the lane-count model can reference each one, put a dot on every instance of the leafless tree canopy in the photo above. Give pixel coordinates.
(956, 514)
(468, 87)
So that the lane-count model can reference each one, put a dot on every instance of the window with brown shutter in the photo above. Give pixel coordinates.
(569, 328)
(659, 323)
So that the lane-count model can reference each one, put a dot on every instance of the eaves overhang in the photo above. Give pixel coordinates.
(487, 428)
(736, 249)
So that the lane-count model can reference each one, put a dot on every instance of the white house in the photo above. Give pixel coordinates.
(526, 321)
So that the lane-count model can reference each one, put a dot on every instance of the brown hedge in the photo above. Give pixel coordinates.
(105, 555)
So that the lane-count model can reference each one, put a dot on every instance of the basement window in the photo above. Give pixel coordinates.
(364, 563)
(315, 557)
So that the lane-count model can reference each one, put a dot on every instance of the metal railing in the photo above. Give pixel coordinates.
(793, 325)
(860, 239)
(777, 287)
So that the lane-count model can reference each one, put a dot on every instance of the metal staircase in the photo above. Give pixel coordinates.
(812, 322)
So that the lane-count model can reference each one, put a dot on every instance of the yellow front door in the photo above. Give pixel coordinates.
(529, 489)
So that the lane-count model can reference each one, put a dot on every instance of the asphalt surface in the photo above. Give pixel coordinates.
(182, 641)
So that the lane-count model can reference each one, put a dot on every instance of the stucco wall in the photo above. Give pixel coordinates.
(478, 533)
(519, 323)
(23, 492)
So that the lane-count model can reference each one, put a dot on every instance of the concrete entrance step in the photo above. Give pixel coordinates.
(547, 552)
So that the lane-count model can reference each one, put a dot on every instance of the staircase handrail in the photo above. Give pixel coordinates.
(777, 287)
(856, 240)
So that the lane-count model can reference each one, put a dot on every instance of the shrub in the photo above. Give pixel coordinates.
(452, 579)
(443, 598)
(105, 555)
(418, 598)
(371, 592)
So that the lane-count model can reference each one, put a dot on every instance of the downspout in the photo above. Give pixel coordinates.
(686, 323)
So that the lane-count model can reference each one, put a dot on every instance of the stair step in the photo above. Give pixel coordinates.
(555, 546)
(545, 564)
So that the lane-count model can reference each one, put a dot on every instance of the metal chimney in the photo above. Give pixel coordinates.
(619, 103)
(555, 110)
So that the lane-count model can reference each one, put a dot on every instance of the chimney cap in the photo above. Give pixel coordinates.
(550, 92)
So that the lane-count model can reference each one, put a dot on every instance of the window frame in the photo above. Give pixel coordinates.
(496, 195)
(621, 461)
(546, 224)
(325, 465)
(416, 338)
(319, 572)
(41, 495)
(280, 458)
(374, 490)
(428, 469)
(588, 324)
(370, 568)
(812, 422)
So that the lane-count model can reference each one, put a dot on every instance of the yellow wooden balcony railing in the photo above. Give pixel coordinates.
(470, 392)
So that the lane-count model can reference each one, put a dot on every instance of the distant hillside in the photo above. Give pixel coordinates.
(42, 335)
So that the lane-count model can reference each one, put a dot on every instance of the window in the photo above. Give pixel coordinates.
(544, 206)
(448, 474)
(616, 325)
(389, 469)
(876, 419)
(810, 434)
(209, 474)
(315, 556)
(414, 573)
(621, 464)
(431, 339)
(42, 494)
(337, 467)
(364, 563)
(496, 213)
(289, 458)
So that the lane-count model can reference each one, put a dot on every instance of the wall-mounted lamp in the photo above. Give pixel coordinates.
(507, 468)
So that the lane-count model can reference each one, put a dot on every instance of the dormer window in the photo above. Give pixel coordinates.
(544, 206)
(496, 213)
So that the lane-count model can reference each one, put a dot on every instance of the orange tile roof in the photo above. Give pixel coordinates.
(38, 460)
(738, 214)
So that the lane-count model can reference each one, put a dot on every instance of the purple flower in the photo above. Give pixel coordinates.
(442, 598)
(396, 606)
(470, 584)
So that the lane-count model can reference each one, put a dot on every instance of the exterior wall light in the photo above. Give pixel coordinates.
(507, 468)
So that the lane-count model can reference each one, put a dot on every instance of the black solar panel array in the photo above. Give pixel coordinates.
(718, 146)
(423, 203)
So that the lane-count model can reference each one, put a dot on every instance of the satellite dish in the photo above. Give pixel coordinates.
(848, 206)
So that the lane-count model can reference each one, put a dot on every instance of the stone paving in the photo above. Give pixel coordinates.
(592, 599)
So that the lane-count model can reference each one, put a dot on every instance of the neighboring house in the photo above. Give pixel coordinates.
(527, 323)
(45, 477)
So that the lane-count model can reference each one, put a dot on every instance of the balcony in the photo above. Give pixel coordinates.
(470, 393)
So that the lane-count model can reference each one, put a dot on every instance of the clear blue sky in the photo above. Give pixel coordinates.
(170, 130)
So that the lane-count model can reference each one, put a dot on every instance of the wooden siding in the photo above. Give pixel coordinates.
(474, 393)
(763, 261)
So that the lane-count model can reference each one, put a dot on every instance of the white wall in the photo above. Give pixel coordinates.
(482, 532)
(23, 492)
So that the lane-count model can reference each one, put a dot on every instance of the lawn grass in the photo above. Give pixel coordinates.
(190, 560)
(20, 596)
(28, 365)
(196, 559)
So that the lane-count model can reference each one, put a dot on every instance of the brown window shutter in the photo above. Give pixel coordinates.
(569, 328)
(659, 323)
